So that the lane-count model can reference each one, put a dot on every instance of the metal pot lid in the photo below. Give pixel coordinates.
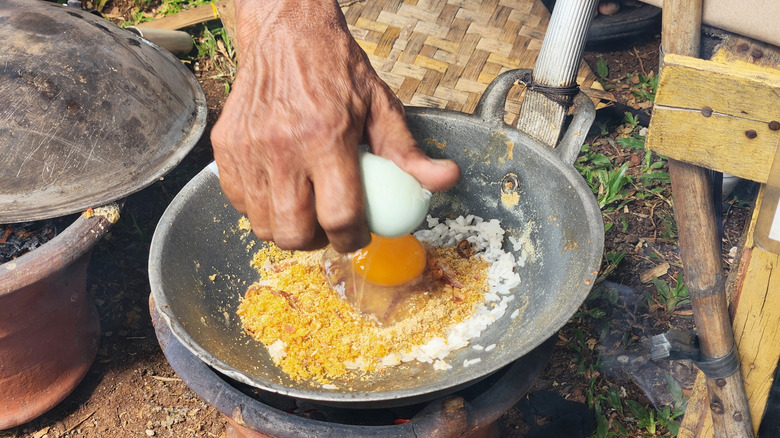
(89, 112)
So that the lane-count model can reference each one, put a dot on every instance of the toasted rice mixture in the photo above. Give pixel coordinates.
(312, 333)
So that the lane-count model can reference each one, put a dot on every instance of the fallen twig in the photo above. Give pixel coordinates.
(639, 58)
(80, 422)
(166, 379)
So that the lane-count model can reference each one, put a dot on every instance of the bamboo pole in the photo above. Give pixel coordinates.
(700, 246)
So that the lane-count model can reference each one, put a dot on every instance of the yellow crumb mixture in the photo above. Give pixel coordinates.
(325, 337)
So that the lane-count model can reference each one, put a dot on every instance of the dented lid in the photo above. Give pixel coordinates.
(89, 112)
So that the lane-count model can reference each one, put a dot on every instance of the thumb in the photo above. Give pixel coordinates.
(389, 137)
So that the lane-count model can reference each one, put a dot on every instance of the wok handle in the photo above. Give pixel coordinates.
(571, 141)
(490, 108)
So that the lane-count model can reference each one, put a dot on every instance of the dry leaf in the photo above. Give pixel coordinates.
(41, 432)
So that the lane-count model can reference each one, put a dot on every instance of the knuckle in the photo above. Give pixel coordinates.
(335, 119)
(324, 126)
(261, 230)
(235, 196)
(263, 235)
(342, 222)
(218, 136)
(294, 238)
(271, 134)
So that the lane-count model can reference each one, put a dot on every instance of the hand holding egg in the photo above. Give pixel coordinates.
(305, 97)
(396, 204)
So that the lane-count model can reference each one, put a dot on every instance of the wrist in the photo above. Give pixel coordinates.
(274, 24)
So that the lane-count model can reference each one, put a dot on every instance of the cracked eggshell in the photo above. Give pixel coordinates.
(396, 203)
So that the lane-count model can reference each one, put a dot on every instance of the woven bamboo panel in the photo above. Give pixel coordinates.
(444, 53)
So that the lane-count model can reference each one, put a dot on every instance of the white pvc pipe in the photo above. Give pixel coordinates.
(175, 41)
(561, 53)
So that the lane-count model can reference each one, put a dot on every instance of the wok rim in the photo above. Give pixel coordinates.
(421, 392)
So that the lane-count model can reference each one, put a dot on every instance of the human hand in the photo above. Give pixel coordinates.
(286, 144)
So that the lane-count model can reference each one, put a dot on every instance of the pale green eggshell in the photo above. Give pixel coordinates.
(396, 203)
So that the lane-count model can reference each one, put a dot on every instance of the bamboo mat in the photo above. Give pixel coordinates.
(444, 53)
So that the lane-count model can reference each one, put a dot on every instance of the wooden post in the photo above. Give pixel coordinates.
(700, 246)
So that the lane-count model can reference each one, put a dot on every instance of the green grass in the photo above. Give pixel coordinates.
(626, 178)
(616, 186)
(619, 415)
(602, 70)
(645, 86)
(664, 421)
(215, 51)
(215, 46)
(616, 415)
(144, 10)
(608, 183)
(612, 261)
(668, 225)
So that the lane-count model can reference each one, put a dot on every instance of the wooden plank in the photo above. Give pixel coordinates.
(756, 303)
(756, 328)
(717, 142)
(740, 90)
(227, 14)
(756, 325)
(697, 417)
(709, 113)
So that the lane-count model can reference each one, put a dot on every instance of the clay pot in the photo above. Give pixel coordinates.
(49, 329)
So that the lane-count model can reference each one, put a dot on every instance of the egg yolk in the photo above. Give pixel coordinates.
(390, 261)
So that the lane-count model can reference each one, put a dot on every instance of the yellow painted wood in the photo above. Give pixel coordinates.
(697, 414)
(717, 142)
(741, 96)
(738, 89)
(756, 325)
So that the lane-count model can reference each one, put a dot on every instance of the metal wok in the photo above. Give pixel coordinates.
(199, 262)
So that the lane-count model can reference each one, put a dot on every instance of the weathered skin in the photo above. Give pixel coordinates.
(286, 143)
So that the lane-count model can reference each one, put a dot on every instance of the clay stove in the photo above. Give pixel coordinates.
(252, 413)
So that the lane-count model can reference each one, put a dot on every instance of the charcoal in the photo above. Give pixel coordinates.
(20, 238)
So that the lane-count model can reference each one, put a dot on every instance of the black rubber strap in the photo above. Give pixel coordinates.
(560, 95)
(719, 367)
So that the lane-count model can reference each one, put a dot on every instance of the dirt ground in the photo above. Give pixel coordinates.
(131, 391)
